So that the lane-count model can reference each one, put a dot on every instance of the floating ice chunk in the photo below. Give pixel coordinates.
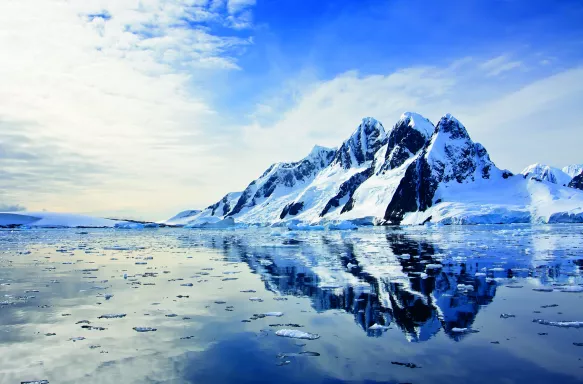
(571, 288)
(129, 226)
(294, 226)
(295, 334)
(543, 289)
(375, 326)
(144, 329)
(463, 330)
(112, 316)
(275, 314)
(408, 365)
(561, 324)
(433, 266)
(297, 354)
(464, 287)
(35, 382)
(118, 248)
(341, 225)
(90, 327)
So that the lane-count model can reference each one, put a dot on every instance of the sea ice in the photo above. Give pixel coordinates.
(295, 334)
(561, 324)
(112, 316)
(144, 329)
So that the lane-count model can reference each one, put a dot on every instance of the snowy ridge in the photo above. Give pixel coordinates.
(573, 169)
(547, 173)
(414, 173)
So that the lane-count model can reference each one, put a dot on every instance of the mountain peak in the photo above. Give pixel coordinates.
(418, 122)
(449, 124)
(318, 149)
(362, 145)
(573, 169)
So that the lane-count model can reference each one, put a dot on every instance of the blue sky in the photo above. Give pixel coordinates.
(125, 108)
(325, 38)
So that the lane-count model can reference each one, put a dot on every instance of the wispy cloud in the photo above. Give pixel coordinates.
(11, 208)
(236, 6)
(499, 65)
(507, 117)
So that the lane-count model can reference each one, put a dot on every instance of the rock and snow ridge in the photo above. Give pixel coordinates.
(414, 173)
(547, 173)
(573, 169)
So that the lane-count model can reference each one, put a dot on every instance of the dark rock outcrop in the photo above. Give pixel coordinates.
(577, 182)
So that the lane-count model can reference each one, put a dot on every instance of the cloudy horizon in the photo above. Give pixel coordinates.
(142, 109)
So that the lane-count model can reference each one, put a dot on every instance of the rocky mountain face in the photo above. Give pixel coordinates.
(450, 155)
(577, 182)
(362, 144)
(414, 170)
(283, 176)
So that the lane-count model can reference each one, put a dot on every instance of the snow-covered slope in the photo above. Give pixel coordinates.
(573, 169)
(183, 217)
(210, 214)
(547, 173)
(51, 219)
(411, 174)
(271, 197)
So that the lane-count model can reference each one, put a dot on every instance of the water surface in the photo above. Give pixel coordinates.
(482, 304)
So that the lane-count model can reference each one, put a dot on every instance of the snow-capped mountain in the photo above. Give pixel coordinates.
(413, 173)
(547, 173)
(573, 169)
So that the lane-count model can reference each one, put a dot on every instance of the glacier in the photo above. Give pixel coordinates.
(55, 220)
(414, 173)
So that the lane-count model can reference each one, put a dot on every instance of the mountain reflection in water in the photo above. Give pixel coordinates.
(409, 281)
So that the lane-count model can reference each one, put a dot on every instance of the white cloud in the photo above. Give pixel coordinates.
(235, 6)
(112, 93)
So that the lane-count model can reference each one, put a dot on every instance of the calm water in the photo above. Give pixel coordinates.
(483, 304)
